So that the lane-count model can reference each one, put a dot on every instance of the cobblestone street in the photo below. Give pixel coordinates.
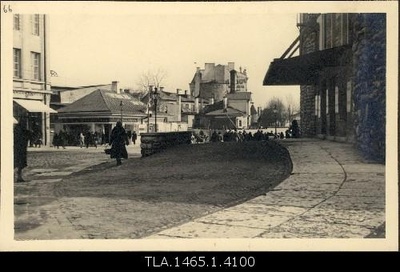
(225, 191)
(82, 194)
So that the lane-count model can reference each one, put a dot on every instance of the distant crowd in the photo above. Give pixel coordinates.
(244, 136)
(234, 135)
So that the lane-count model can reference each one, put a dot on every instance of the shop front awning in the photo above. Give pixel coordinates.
(34, 106)
(305, 69)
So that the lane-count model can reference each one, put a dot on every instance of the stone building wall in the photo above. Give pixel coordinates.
(369, 73)
(308, 44)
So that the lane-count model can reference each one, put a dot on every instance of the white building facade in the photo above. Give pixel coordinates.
(31, 73)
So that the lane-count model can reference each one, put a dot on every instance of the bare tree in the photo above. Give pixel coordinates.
(274, 112)
(151, 78)
(292, 107)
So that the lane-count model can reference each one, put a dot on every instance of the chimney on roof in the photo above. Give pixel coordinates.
(186, 92)
(196, 105)
(161, 89)
(197, 82)
(114, 86)
(231, 66)
(179, 113)
(209, 66)
(233, 81)
(225, 103)
(178, 91)
(211, 100)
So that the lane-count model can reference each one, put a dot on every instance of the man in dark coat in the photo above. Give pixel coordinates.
(134, 137)
(20, 148)
(118, 140)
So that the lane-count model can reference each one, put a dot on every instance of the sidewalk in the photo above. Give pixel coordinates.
(331, 193)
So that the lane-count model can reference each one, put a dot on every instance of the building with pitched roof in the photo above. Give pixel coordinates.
(99, 111)
(178, 108)
(216, 81)
(233, 112)
(224, 92)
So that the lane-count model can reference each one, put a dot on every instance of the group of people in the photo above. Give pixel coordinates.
(118, 140)
(60, 139)
(244, 136)
(89, 139)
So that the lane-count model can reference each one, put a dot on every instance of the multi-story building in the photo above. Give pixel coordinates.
(341, 70)
(176, 110)
(225, 91)
(216, 81)
(31, 73)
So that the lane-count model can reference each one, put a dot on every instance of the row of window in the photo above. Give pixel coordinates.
(35, 64)
(342, 101)
(35, 23)
(334, 30)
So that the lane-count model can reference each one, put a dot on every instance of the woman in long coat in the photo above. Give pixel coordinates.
(20, 148)
(118, 140)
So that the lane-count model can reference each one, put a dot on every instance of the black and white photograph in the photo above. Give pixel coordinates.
(217, 126)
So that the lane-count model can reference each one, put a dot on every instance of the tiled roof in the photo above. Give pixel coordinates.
(213, 107)
(105, 101)
(167, 96)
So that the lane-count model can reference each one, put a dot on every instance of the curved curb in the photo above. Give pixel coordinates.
(314, 202)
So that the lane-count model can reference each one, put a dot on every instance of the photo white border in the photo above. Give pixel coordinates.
(390, 243)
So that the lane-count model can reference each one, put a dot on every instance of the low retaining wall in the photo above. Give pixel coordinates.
(155, 142)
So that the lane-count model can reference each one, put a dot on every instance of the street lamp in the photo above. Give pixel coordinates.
(275, 112)
(155, 94)
(148, 107)
(120, 104)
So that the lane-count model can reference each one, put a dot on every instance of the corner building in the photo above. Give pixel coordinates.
(31, 73)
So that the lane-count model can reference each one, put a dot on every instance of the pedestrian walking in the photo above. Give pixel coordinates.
(94, 139)
(134, 137)
(62, 136)
(81, 139)
(21, 138)
(118, 140)
(56, 140)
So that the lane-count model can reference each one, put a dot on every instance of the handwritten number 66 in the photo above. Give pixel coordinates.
(5, 9)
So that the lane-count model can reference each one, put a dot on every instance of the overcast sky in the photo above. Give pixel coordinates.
(99, 48)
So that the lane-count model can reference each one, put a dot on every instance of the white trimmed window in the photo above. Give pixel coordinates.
(336, 99)
(17, 62)
(318, 105)
(35, 58)
(17, 22)
(348, 90)
(333, 30)
(35, 21)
